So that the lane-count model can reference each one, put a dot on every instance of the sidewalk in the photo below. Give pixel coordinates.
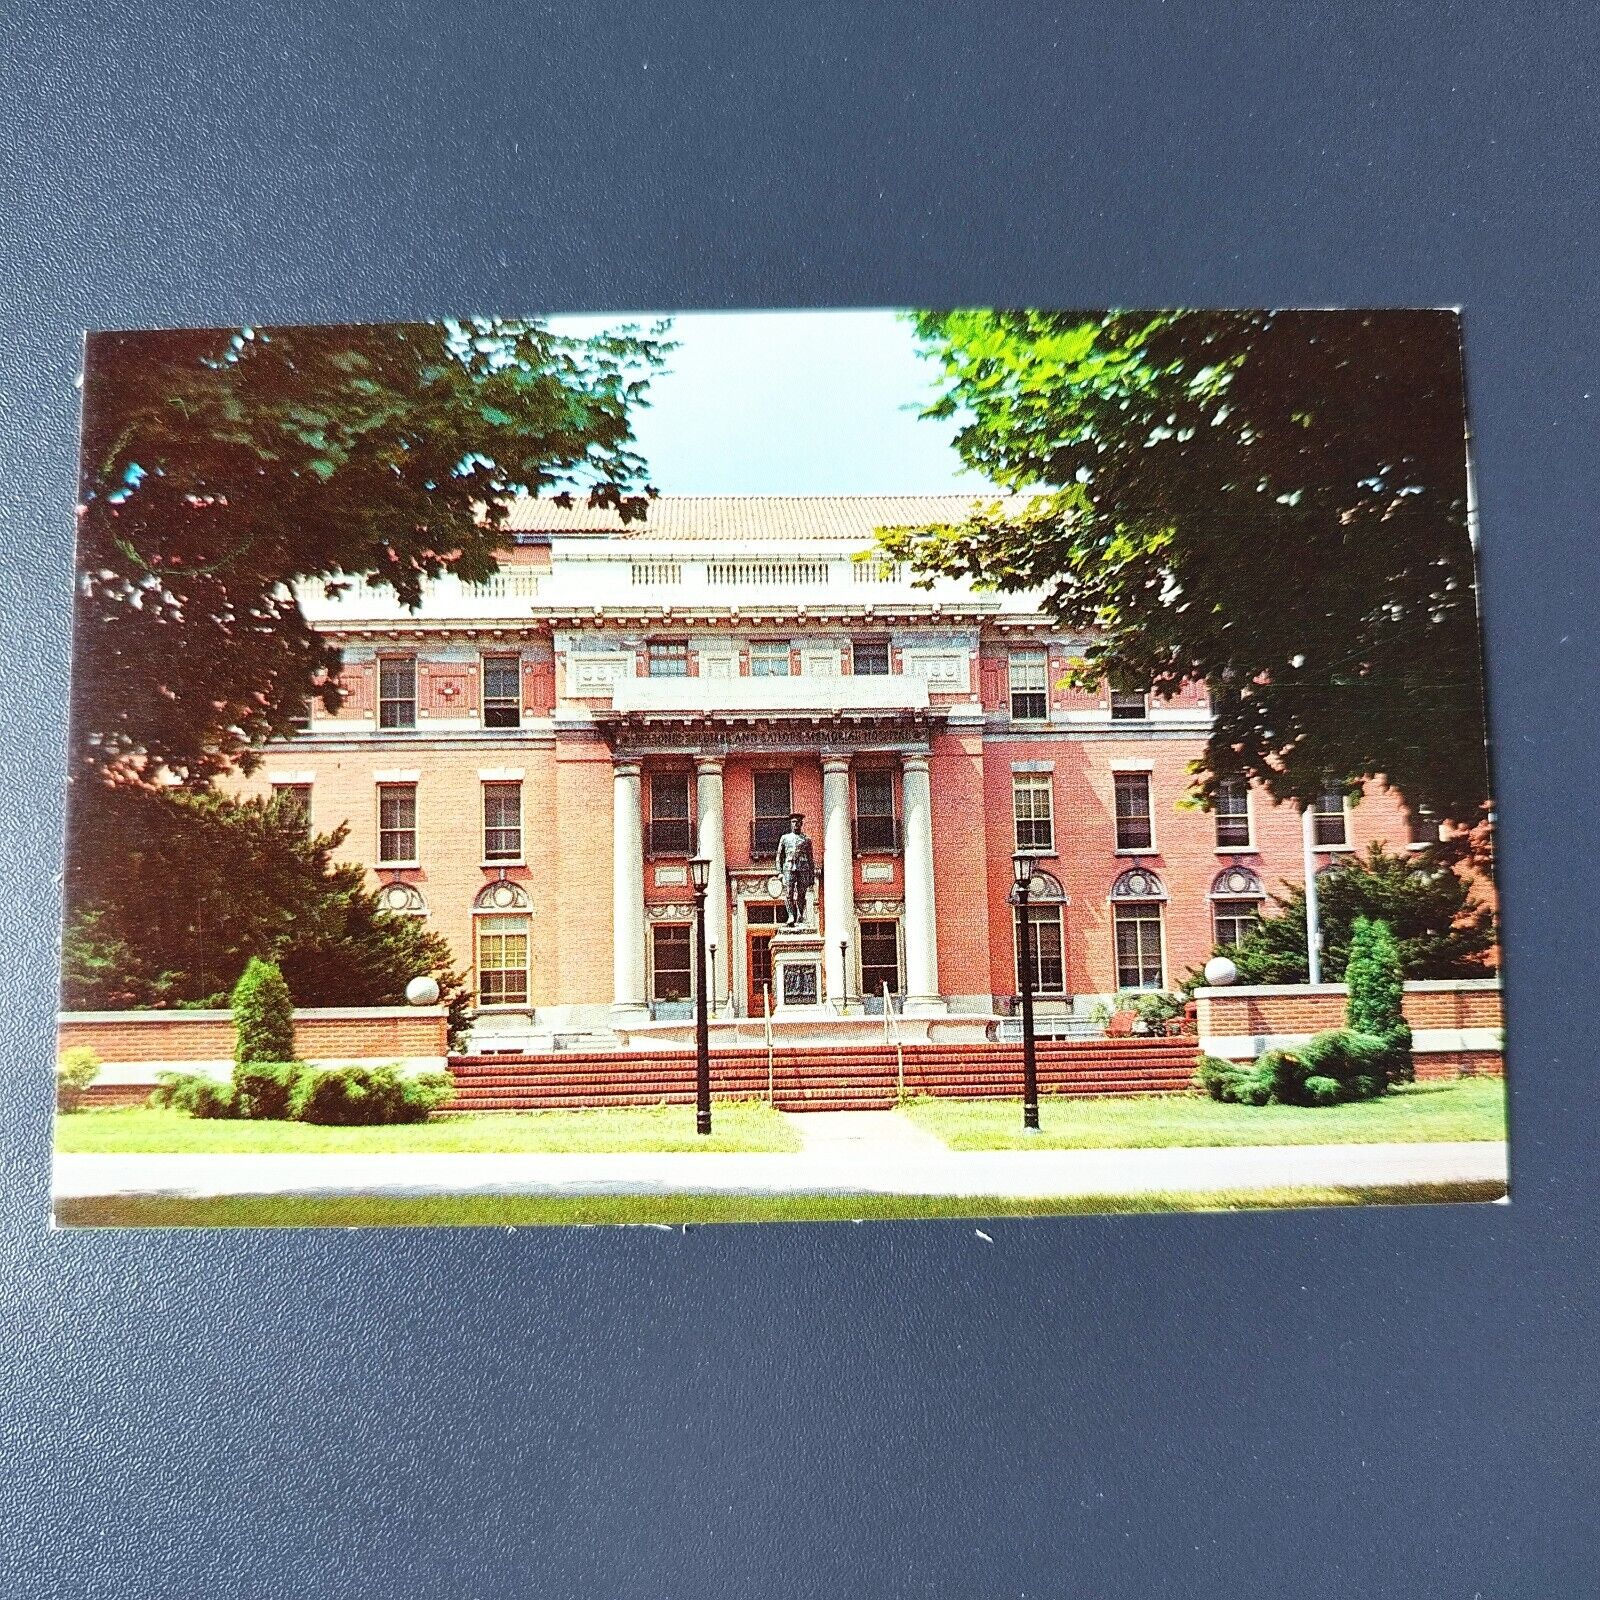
(837, 1158)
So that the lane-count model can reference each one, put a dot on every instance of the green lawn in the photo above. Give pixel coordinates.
(1461, 1109)
(735, 1125)
(132, 1211)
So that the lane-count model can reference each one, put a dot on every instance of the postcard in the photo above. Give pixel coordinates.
(697, 767)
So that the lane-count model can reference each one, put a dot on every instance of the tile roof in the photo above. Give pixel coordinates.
(754, 517)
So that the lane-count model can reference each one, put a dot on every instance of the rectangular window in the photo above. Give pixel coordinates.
(397, 822)
(1133, 811)
(1232, 806)
(876, 825)
(773, 805)
(1030, 685)
(1129, 705)
(1049, 969)
(880, 958)
(1328, 820)
(769, 660)
(502, 961)
(667, 658)
(671, 963)
(397, 692)
(1138, 933)
(502, 822)
(870, 658)
(1234, 919)
(502, 692)
(1033, 807)
(294, 799)
(1422, 825)
(300, 722)
(671, 833)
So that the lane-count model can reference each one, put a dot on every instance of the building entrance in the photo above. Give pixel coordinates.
(761, 922)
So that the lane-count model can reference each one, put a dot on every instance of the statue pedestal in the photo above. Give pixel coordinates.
(797, 973)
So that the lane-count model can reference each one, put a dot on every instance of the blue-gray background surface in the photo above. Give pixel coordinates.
(1389, 1403)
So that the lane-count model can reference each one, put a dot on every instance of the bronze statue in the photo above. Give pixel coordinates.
(797, 867)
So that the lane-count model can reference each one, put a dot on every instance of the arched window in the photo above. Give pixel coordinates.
(403, 899)
(1046, 901)
(1236, 896)
(1136, 917)
(500, 927)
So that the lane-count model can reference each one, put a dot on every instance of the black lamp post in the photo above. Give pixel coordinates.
(844, 975)
(1022, 871)
(699, 879)
(711, 972)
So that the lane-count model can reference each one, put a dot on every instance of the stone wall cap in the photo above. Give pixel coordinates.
(1311, 990)
(305, 1014)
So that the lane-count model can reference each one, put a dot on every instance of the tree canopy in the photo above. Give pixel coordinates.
(222, 467)
(1273, 502)
(201, 883)
(1438, 926)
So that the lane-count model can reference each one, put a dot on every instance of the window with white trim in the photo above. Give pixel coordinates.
(1137, 925)
(876, 825)
(869, 658)
(1049, 965)
(879, 945)
(1231, 803)
(397, 823)
(1233, 920)
(667, 658)
(294, 799)
(502, 821)
(1030, 685)
(502, 961)
(671, 831)
(1134, 829)
(1129, 705)
(502, 692)
(1329, 822)
(769, 659)
(671, 961)
(397, 692)
(1033, 810)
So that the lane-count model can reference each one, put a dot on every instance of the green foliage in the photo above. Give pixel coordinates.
(1438, 926)
(1272, 501)
(76, 1069)
(262, 1090)
(222, 466)
(263, 1015)
(1244, 1083)
(202, 882)
(1152, 1007)
(1330, 1069)
(1377, 992)
(194, 1094)
(359, 1095)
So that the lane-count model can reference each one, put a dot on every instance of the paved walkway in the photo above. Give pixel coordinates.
(839, 1156)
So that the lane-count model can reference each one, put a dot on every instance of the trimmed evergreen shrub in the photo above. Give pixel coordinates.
(194, 1094)
(355, 1096)
(76, 1069)
(1233, 1082)
(263, 1015)
(1377, 991)
(1324, 1091)
(261, 1089)
(1357, 1062)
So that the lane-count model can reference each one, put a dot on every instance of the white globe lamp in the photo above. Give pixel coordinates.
(1220, 972)
(423, 991)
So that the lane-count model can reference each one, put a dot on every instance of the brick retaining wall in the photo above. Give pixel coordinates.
(1457, 1024)
(153, 1039)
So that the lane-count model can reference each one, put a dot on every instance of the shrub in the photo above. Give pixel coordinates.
(1356, 1062)
(1377, 992)
(1153, 1008)
(194, 1094)
(262, 1089)
(263, 1015)
(1233, 1082)
(355, 1096)
(1323, 1091)
(76, 1069)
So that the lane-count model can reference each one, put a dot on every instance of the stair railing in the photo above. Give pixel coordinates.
(766, 1026)
(891, 1035)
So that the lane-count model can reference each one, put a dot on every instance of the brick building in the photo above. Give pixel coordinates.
(530, 763)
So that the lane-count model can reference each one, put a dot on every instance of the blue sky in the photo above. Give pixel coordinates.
(793, 402)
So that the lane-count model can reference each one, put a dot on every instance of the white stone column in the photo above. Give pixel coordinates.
(712, 843)
(921, 928)
(838, 874)
(628, 1002)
